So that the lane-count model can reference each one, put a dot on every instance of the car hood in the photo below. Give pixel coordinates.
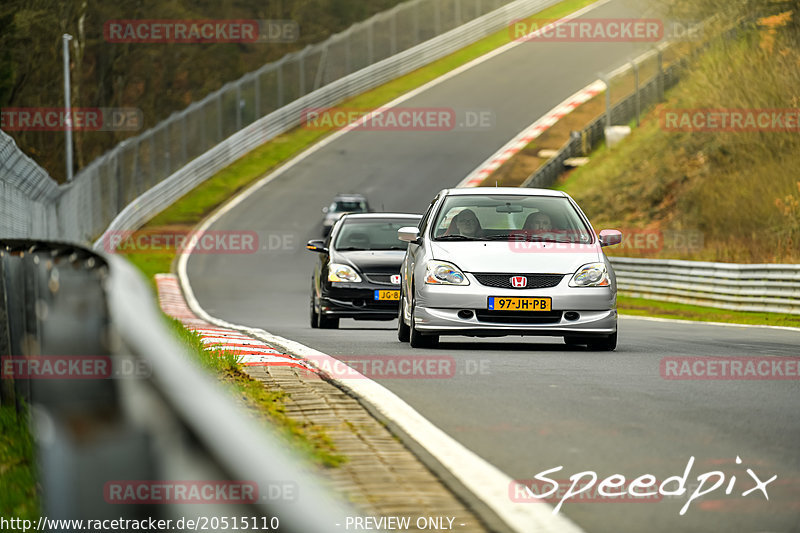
(517, 257)
(373, 260)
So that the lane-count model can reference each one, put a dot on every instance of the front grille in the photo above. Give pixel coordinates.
(535, 281)
(519, 317)
(380, 278)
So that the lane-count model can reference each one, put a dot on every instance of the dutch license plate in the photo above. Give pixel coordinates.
(516, 303)
(387, 295)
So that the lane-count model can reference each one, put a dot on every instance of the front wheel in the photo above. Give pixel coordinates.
(417, 339)
(403, 331)
(604, 344)
(313, 315)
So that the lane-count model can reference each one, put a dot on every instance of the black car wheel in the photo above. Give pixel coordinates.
(403, 331)
(313, 316)
(324, 322)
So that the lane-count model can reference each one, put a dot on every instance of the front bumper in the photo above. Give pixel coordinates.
(359, 303)
(438, 306)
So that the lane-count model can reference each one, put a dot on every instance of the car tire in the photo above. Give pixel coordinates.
(313, 315)
(604, 344)
(417, 339)
(324, 322)
(403, 331)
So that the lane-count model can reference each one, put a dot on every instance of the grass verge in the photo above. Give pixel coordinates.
(18, 495)
(310, 440)
(660, 309)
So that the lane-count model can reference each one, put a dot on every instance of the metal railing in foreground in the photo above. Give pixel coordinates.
(117, 403)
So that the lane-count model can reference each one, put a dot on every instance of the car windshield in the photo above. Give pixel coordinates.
(372, 234)
(348, 206)
(510, 217)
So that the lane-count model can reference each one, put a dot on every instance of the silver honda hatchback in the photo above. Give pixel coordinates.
(506, 261)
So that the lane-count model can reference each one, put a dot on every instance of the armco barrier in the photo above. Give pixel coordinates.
(157, 416)
(772, 288)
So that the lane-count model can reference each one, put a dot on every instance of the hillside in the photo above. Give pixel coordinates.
(739, 187)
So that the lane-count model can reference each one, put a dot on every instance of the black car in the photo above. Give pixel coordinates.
(358, 273)
(342, 204)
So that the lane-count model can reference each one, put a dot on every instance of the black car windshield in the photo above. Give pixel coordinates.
(348, 206)
(510, 217)
(372, 234)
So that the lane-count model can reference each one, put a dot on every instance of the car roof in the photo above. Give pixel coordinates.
(381, 215)
(487, 191)
(341, 196)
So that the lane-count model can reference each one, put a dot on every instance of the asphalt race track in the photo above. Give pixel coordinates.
(528, 405)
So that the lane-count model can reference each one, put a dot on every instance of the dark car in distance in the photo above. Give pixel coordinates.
(358, 272)
(341, 205)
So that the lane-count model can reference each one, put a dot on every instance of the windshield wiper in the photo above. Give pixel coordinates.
(351, 249)
(455, 238)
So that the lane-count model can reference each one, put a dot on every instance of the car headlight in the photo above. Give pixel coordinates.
(591, 275)
(342, 273)
(444, 273)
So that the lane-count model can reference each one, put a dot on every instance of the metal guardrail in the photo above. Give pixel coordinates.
(144, 174)
(155, 416)
(772, 288)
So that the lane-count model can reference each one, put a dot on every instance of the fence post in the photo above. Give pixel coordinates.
(257, 88)
(280, 83)
(660, 74)
(219, 118)
(635, 66)
(393, 33)
(370, 43)
(238, 105)
(184, 140)
(604, 79)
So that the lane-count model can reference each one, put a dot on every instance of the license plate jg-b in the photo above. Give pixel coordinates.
(387, 295)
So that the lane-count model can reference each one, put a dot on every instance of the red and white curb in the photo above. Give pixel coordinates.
(249, 351)
(530, 133)
(526, 136)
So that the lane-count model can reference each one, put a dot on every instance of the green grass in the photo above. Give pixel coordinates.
(310, 440)
(18, 495)
(656, 308)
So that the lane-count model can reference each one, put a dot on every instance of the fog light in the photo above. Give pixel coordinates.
(465, 314)
(571, 315)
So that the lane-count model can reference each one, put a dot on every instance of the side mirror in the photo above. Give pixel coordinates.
(610, 237)
(408, 234)
(317, 246)
(325, 210)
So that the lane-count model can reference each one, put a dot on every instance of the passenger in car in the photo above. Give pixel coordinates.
(465, 223)
(538, 221)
